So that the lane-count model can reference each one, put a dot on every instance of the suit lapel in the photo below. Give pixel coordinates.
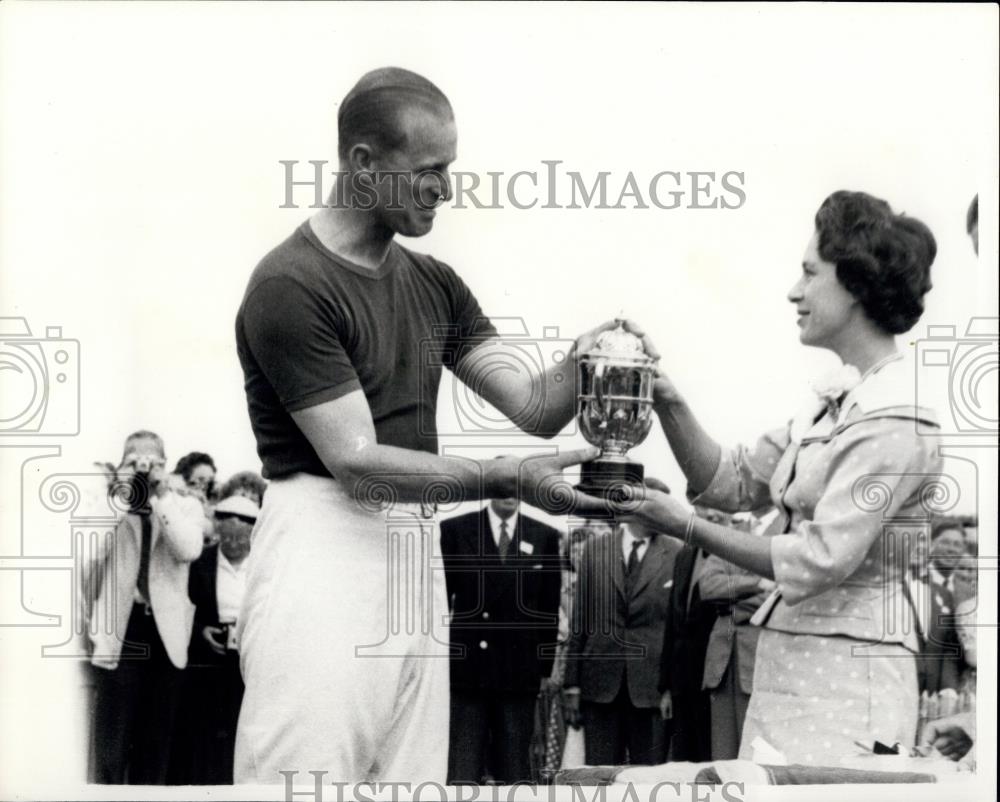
(483, 545)
(617, 561)
(650, 564)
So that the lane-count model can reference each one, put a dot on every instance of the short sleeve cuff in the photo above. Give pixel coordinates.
(322, 396)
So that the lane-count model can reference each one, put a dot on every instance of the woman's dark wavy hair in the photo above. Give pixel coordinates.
(187, 463)
(883, 259)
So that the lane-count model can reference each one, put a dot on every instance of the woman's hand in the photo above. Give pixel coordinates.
(658, 510)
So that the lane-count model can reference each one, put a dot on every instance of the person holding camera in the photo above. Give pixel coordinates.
(213, 687)
(141, 622)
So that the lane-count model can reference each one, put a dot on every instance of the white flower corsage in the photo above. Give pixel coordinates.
(832, 387)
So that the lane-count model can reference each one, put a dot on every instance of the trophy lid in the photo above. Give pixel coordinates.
(619, 343)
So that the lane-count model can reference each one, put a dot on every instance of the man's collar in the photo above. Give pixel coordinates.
(496, 520)
(628, 536)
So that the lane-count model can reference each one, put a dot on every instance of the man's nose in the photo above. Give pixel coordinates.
(444, 179)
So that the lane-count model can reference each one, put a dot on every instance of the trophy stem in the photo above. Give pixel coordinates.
(603, 477)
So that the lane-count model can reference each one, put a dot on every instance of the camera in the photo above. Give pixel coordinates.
(143, 463)
(40, 388)
(967, 367)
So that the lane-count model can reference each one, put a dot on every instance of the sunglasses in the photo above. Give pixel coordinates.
(224, 516)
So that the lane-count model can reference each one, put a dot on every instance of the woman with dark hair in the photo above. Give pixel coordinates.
(198, 470)
(839, 472)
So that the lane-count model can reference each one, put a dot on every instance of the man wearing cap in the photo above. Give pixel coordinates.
(214, 688)
(342, 336)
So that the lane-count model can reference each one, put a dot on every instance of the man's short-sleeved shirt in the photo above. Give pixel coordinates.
(313, 327)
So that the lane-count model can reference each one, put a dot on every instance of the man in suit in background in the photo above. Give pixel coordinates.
(616, 641)
(213, 684)
(939, 663)
(141, 620)
(688, 627)
(503, 576)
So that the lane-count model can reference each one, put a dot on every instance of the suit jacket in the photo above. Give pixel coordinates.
(505, 615)
(939, 664)
(202, 592)
(736, 595)
(614, 639)
(687, 631)
(176, 541)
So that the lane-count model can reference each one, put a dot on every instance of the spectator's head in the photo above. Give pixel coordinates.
(504, 507)
(143, 460)
(965, 575)
(947, 545)
(397, 138)
(972, 223)
(866, 268)
(234, 520)
(245, 483)
(198, 470)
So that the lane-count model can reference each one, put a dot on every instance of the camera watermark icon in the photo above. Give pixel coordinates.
(526, 367)
(968, 366)
(39, 381)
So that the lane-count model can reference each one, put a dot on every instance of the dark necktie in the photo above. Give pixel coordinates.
(504, 544)
(632, 567)
(142, 583)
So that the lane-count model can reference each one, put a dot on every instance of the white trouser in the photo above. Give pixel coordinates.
(343, 641)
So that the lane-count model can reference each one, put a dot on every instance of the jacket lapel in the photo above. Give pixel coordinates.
(614, 557)
(482, 543)
(650, 564)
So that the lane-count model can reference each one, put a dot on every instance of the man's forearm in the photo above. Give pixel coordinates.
(415, 476)
(697, 454)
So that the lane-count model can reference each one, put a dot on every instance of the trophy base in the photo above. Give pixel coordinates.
(604, 477)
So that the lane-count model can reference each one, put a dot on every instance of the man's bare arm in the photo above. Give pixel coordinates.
(537, 402)
(342, 433)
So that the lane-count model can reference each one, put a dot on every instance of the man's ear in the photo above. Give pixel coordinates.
(360, 158)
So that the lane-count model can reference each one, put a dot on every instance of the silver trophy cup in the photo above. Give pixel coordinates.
(615, 408)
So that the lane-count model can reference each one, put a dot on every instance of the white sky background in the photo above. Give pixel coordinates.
(141, 184)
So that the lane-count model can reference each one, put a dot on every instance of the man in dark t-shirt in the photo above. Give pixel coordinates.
(342, 335)
(387, 332)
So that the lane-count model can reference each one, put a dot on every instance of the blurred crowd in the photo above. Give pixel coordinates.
(599, 644)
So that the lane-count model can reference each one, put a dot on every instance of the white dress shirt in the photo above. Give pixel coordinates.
(496, 520)
(230, 585)
(627, 539)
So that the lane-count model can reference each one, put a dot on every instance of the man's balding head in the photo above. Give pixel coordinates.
(373, 111)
